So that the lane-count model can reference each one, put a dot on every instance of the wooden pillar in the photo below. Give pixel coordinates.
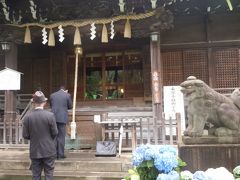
(157, 88)
(211, 68)
(10, 96)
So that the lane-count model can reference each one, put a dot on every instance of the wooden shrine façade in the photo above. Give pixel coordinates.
(171, 41)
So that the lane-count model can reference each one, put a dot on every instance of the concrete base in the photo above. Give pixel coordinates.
(72, 143)
(204, 156)
(211, 140)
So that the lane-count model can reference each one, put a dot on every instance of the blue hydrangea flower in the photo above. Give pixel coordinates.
(141, 149)
(150, 153)
(200, 175)
(162, 177)
(171, 149)
(165, 162)
(173, 175)
(137, 159)
(186, 175)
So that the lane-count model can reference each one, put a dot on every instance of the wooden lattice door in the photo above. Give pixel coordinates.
(227, 67)
(195, 63)
(172, 68)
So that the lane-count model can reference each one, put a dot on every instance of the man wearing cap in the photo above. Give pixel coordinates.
(60, 102)
(39, 126)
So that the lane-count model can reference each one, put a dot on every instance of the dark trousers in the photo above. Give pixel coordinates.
(46, 164)
(60, 139)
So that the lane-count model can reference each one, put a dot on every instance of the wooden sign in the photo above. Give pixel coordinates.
(10, 79)
(173, 103)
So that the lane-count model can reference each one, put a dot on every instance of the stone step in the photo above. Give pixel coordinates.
(68, 165)
(14, 165)
(63, 175)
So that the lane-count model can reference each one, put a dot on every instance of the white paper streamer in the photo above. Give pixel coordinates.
(5, 10)
(93, 31)
(154, 2)
(44, 36)
(121, 5)
(61, 33)
(112, 32)
(33, 8)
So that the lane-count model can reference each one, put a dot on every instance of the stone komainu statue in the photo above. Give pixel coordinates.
(204, 105)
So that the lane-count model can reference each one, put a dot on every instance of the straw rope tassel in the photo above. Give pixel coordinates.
(104, 34)
(51, 38)
(127, 29)
(27, 37)
(81, 23)
(77, 37)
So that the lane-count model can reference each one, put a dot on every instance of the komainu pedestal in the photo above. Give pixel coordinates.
(204, 156)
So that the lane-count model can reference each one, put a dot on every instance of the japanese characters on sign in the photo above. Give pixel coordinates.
(156, 87)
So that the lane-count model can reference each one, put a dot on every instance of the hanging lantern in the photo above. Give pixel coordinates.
(27, 37)
(51, 38)
(127, 29)
(104, 34)
(77, 37)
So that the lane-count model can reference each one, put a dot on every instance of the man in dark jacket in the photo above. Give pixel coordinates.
(39, 126)
(60, 102)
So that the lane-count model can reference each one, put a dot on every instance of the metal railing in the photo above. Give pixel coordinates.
(21, 101)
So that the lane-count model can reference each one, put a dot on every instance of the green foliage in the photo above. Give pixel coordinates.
(94, 81)
(147, 170)
(131, 172)
(236, 172)
(181, 164)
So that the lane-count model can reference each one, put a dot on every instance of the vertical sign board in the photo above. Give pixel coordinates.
(173, 103)
(10, 79)
(156, 87)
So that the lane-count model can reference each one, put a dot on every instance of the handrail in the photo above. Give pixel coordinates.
(26, 110)
(19, 121)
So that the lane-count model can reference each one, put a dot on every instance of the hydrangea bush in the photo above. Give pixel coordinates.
(153, 162)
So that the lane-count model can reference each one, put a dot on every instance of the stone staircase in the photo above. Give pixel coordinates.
(79, 165)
